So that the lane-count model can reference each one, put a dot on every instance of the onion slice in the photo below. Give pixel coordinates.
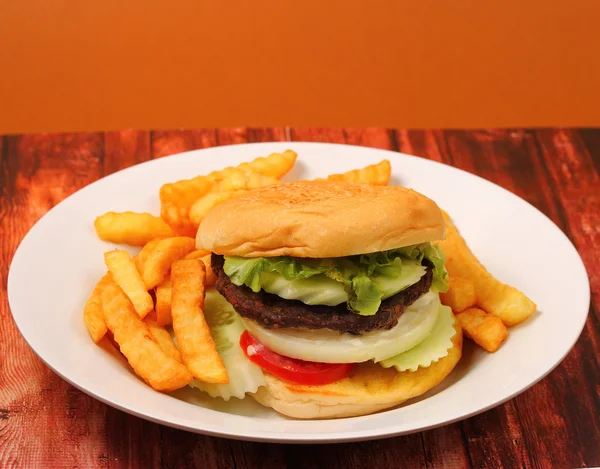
(327, 346)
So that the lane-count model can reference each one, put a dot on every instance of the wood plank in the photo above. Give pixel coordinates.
(577, 372)
(499, 156)
(274, 134)
(576, 181)
(445, 447)
(377, 453)
(506, 158)
(170, 142)
(44, 421)
(131, 441)
(511, 159)
(577, 184)
(247, 455)
(370, 137)
(428, 144)
(183, 449)
(233, 136)
(591, 140)
(125, 148)
(318, 134)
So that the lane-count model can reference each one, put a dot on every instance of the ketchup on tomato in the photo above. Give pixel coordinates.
(292, 369)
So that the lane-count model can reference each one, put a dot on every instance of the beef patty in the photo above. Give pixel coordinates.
(273, 312)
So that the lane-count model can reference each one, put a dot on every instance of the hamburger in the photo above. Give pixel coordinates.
(337, 285)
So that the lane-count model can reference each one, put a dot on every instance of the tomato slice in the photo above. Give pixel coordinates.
(292, 369)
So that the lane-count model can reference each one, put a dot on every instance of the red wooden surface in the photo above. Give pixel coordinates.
(45, 422)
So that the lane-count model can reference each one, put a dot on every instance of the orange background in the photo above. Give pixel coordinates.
(68, 65)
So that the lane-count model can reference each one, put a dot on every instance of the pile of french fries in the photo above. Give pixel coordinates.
(483, 306)
(141, 299)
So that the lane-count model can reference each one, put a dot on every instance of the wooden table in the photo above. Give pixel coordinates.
(45, 422)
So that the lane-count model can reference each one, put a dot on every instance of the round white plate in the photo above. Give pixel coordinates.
(60, 259)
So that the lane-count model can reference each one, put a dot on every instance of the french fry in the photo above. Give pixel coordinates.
(163, 302)
(485, 330)
(177, 198)
(186, 191)
(497, 298)
(204, 256)
(158, 259)
(235, 184)
(125, 274)
(93, 318)
(376, 174)
(177, 218)
(244, 181)
(143, 254)
(135, 229)
(211, 278)
(197, 254)
(275, 165)
(195, 343)
(162, 338)
(143, 353)
(199, 208)
(460, 294)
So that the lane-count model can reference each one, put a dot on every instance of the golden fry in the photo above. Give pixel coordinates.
(204, 256)
(145, 356)
(237, 183)
(185, 192)
(93, 318)
(177, 218)
(158, 259)
(177, 198)
(377, 174)
(162, 338)
(460, 294)
(195, 343)
(197, 254)
(199, 208)
(211, 278)
(241, 181)
(485, 330)
(163, 302)
(275, 165)
(135, 229)
(497, 298)
(143, 254)
(125, 274)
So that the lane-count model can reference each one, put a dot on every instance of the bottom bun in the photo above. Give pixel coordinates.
(369, 388)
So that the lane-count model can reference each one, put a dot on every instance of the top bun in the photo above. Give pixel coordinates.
(320, 219)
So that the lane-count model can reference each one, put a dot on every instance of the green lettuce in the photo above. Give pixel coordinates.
(361, 276)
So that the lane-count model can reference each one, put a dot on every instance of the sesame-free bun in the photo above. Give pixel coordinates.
(320, 219)
(369, 388)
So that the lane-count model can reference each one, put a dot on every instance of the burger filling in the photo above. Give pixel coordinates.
(360, 282)
(275, 312)
(310, 314)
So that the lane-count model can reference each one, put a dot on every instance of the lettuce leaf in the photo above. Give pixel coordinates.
(361, 276)
(435, 256)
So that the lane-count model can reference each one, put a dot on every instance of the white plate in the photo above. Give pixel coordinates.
(60, 259)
